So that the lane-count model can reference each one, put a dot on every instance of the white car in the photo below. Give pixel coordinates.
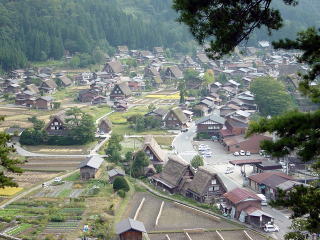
(248, 153)
(57, 179)
(271, 228)
(242, 153)
(236, 154)
(229, 170)
(208, 154)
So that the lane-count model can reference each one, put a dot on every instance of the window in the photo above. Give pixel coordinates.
(53, 128)
(214, 181)
(56, 123)
(210, 189)
(210, 127)
(216, 188)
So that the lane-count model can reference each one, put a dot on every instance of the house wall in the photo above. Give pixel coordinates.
(87, 173)
(243, 205)
(42, 104)
(131, 235)
(56, 128)
(211, 129)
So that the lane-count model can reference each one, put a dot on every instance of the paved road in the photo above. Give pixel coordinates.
(23, 194)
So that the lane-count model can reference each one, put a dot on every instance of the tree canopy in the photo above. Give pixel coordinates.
(197, 161)
(271, 96)
(8, 164)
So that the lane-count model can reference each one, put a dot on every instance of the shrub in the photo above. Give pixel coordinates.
(58, 218)
(122, 193)
(120, 183)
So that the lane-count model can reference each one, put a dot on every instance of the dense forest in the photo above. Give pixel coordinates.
(37, 30)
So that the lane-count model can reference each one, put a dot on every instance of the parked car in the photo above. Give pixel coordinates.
(269, 227)
(242, 153)
(248, 153)
(236, 154)
(208, 154)
(229, 170)
(264, 199)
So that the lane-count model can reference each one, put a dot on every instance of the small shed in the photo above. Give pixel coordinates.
(130, 229)
(90, 167)
(115, 173)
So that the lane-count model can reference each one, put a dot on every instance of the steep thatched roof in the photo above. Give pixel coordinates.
(155, 148)
(174, 170)
(124, 88)
(106, 121)
(179, 114)
(201, 180)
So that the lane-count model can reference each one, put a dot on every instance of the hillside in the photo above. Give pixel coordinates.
(37, 30)
(41, 29)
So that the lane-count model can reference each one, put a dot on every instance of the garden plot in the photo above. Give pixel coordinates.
(52, 163)
(27, 178)
(15, 231)
(55, 191)
(61, 227)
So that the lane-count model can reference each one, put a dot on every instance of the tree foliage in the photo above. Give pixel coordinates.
(8, 164)
(120, 183)
(271, 96)
(197, 161)
(41, 30)
(114, 148)
(141, 161)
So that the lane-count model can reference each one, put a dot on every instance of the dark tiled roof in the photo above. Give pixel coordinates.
(212, 117)
(92, 161)
(261, 177)
(128, 224)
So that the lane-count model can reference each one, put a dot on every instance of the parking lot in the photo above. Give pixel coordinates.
(219, 154)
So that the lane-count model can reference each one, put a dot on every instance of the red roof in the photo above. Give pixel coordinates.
(239, 194)
(259, 178)
(245, 161)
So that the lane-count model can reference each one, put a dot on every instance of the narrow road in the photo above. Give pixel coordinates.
(97, 121)
(25, 193)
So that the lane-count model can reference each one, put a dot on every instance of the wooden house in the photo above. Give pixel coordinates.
(206, 187)
(90, 167)
(173, 73)
(57, 125)
(65, 81)
(120, 91)
(154, 151)
(116, 172)
(267, 182)
(175, 175)
(87, 95)
(12, 88)
(22, 97)
(211, 125)
(158, 51)
(245, 206)
(130, 229)
(123, 50)
(44, 102)
(113, 68)
(104, 126)
(48, 86)
(202, 59)
(175, 119)
(159, 113)
(32, 88)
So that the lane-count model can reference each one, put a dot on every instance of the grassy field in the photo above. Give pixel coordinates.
(96, 111)
(164, 141)
(68, 94)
